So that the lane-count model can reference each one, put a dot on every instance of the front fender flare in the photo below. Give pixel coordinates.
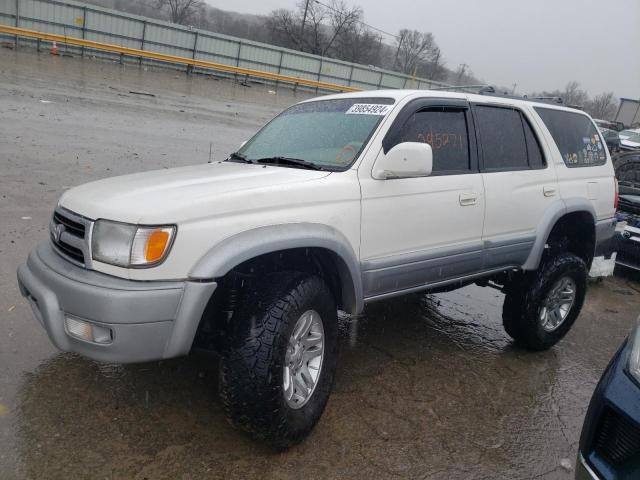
(234, 250)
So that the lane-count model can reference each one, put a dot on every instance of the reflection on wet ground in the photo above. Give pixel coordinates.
(428, 386)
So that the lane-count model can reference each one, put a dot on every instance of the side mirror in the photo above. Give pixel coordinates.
(405, 160)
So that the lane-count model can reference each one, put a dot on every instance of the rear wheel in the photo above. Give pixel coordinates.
(280, 360)
(540, 307)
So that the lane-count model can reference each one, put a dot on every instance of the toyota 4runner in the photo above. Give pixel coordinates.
(337, 202)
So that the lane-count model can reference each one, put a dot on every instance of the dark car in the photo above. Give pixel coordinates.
(610, 124)
(626, 241)
(612, 139)
(610, 440)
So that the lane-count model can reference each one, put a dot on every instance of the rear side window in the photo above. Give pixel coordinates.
(576, 137)
(445, 129)
(503, 138)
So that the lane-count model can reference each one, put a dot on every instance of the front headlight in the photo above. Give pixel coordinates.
(127, 245)
(634, 358)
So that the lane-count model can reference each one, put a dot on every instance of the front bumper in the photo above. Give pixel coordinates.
(148, 320)
(610, 440)
(626, 240)
(584, 471)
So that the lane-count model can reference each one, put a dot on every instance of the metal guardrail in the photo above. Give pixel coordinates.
(133, 52)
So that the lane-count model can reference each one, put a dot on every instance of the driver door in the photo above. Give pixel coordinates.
(424, 230)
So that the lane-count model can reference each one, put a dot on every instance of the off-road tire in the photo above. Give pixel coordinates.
(251, 370)
(524, 296)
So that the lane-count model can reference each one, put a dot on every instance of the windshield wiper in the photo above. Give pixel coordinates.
(239, 156)
(296, 162)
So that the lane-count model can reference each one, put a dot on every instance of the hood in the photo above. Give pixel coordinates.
(629, 143)
(179, 194)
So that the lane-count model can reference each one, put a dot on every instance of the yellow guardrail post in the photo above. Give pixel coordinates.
(163, 57)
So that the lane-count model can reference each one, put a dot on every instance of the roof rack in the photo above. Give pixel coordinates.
(462, 87)
(547, 99)
(491, 91)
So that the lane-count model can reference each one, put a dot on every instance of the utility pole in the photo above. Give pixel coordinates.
(514, 88)
(304, 19)
(463, 67)
(395, 62)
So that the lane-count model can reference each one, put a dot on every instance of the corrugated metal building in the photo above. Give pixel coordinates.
(628, 112)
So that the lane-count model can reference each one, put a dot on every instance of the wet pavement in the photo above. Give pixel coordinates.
(428, 386)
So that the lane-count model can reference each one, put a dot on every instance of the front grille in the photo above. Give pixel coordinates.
(617, 439)
(69, 250)
(69, 235)
(75, 228)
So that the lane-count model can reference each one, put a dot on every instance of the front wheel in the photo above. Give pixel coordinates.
(541, 306)
(279, 365)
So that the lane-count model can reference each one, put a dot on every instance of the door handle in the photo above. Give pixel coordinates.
(468, 199)
(548, 191)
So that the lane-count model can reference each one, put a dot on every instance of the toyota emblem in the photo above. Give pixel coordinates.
(57, 231)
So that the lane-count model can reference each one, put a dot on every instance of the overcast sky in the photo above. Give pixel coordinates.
(538, 44)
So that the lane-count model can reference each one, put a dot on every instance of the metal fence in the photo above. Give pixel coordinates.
(75, 19)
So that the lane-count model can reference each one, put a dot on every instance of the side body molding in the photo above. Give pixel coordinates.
(234, 250)
(551, 216)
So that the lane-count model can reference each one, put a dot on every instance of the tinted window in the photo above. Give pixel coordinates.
(576, 137)
(536, 157)
(446, 131)
(502, 137)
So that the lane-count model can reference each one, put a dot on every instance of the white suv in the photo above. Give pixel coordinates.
(337, 202)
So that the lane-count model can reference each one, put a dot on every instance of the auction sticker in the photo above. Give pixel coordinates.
(368, 109)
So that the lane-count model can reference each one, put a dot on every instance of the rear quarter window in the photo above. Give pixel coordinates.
(576, 137)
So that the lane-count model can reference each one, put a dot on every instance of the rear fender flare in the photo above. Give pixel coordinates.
(551, 216)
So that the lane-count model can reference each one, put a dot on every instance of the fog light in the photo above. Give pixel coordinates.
(87, 331)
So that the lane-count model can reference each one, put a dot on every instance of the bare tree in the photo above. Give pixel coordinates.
(313, 36)
(574, 95)
(324, 25)
(341, 18)
(284, 28)
(359, 44)
(434, 67)
(602, 106)
(463, 75)
(413, 48)
(181, 11)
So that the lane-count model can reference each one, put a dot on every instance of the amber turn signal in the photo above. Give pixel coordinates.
(156, 245)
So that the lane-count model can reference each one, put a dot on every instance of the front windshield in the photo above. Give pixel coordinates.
(327, 133)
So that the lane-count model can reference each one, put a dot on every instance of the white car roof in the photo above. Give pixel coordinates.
(398, 95)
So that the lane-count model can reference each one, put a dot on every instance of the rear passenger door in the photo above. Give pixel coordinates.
(519, 182)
